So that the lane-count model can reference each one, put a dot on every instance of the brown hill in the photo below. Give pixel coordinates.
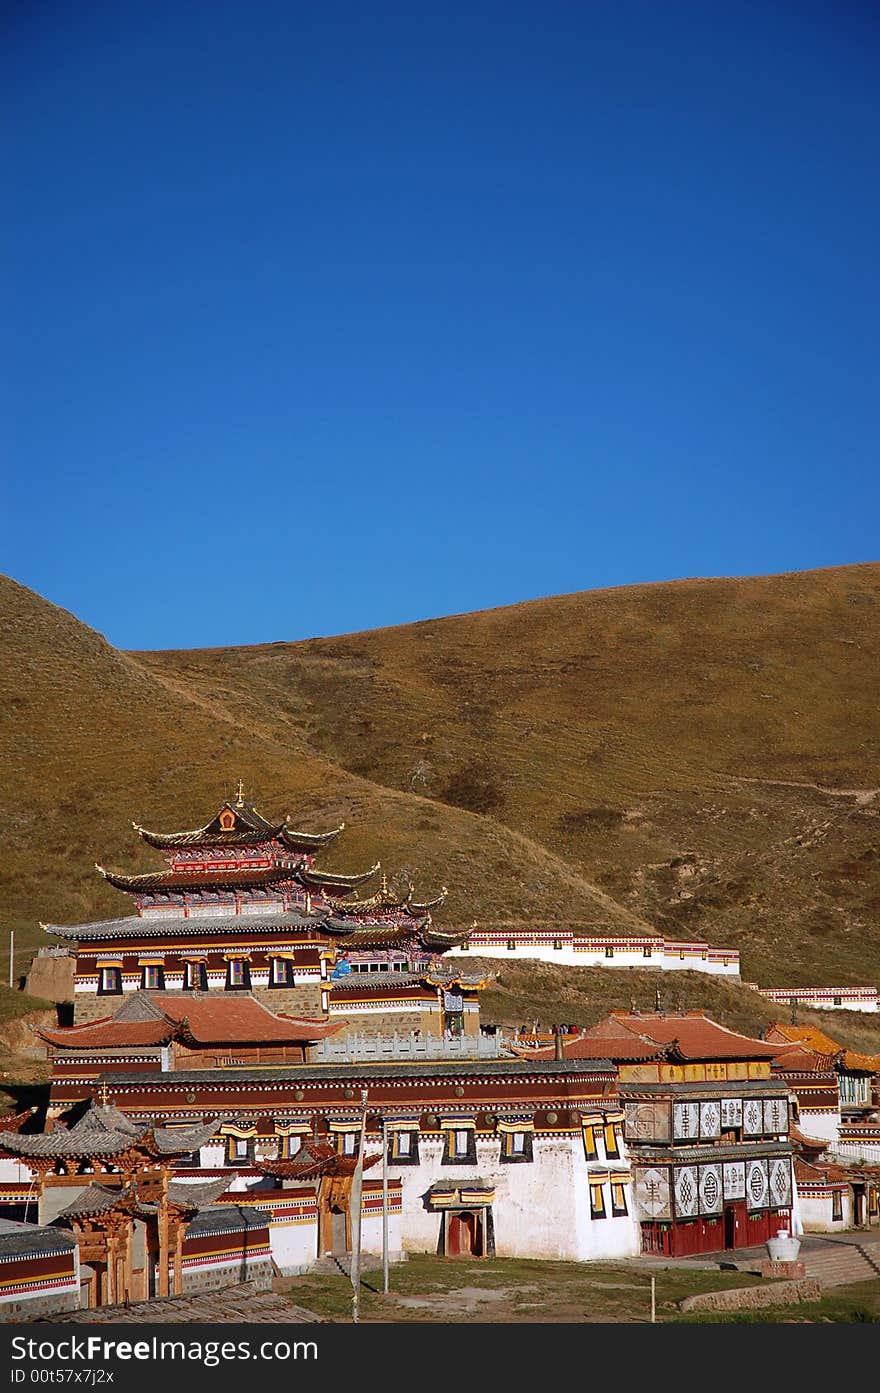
(92, 738)
(701, 755)
(705, 751)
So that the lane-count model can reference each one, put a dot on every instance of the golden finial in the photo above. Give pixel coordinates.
(104, 1094)
(240, 798)
(384, 883)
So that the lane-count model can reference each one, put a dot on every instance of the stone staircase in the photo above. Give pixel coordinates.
(838, 1261)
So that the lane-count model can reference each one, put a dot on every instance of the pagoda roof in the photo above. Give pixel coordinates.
(246, 828)
(173, 882)
(320, 880)
(815, 1039)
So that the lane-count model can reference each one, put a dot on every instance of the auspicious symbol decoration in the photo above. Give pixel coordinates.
(753, 1117)
(734, 1180)
(731, 1112)
(774, 1115)
(686, 1120)
(710, 1119)
(757, 1185)
(780, 1182)
(652, 1193)
(710, 1189)
(686, 1190)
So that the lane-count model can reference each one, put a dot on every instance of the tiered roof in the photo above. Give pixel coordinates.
(257, 858)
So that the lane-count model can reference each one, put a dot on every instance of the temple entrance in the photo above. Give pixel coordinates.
(464, 1236)
(729, 1227)
(860, 1208)
(338, 1246)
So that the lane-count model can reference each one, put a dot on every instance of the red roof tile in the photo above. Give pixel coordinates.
(234, 1019)
(693, 1036)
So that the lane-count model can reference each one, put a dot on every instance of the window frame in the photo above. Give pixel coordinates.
(245, 984)
(619, 1208)
(159, 984)
(597, 1190)
(103, 989)
(451, 1155)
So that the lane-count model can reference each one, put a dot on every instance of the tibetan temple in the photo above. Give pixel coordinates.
(241, 907)
(239, 1033)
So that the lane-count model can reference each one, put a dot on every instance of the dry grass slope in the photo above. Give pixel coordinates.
(702, 757)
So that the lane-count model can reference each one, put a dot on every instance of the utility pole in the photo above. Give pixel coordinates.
(384, 1207)
(355, 1212)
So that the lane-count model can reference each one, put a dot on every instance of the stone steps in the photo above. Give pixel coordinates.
(839, 1264)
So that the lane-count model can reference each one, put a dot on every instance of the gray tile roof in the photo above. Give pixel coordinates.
(133, 925)
(229, 1306)
(291, 1074)
(226, 1218)
(20, 1239)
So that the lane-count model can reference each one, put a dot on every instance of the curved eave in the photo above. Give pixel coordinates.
(418, 909)
(175, 882)
(308, 841)
(167, 841)
(436, 938)
(320, 880)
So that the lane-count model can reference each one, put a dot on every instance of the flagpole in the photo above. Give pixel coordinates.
(355, 1211)
(384, 1207)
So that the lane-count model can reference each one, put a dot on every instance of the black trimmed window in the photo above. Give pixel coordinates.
(597, 1200)
(288, 1146)
(280, 972)
(646, 952)
(609, 952)
(836, 1206)
(109, 981)
(516, 1146)
(557, 944)
(511, 945)
(403, 1148)
(238, 975)
(612, 1141)
(239, 1151)
(618, 1199)
(590, 1149)
(460, 1148)
(152, 977)
(195, 977)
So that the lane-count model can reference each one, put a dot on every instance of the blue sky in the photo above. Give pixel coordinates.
(322, 317)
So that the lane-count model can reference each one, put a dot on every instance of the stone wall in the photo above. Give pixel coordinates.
(750, 1298)
(301, 1000)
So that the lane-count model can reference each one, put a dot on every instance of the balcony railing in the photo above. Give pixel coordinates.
(357, 1047)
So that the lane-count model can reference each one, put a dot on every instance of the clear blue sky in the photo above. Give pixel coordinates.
(320, 317)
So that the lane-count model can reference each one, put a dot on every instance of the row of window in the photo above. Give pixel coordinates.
(195, 977)
(609, 951)
(403, 1147)
(598, 1209)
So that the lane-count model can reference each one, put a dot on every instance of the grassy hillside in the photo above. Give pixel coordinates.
(707, 752)
(701, 756)
(91, 739)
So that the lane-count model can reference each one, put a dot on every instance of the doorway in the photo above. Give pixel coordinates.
(729, 1227)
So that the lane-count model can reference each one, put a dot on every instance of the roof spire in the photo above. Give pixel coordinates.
(657, 999)
(240, 799)
(104, 1094)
